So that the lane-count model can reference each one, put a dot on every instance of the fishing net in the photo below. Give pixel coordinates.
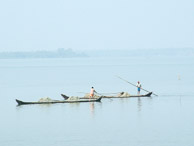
(124, 94)
(87, 95)
(45, 99)
(73, 98)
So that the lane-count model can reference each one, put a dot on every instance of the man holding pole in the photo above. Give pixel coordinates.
(92, 91)
(138, 88)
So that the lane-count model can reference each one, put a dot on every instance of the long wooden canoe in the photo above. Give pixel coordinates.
(145, 95)
(60, 101)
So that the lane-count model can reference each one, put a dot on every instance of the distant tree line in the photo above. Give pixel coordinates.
(60, 53)
(69, 53)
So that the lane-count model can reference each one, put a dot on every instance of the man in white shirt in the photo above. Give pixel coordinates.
(138, 87)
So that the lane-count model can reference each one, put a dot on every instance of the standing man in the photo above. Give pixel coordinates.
(92, 91)
(138, 87)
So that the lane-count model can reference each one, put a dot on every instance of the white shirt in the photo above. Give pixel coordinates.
(138, 85)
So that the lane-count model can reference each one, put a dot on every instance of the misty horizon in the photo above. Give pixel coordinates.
(70, 53)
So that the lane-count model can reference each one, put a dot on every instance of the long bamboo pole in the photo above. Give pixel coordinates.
(135, 85)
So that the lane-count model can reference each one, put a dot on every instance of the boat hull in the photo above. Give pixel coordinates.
(58, 101)
(146, 95)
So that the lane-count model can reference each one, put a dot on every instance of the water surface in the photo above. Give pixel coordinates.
(165, 120)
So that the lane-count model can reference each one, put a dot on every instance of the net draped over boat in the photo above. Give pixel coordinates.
(87, 95)
(45, 99)
(120, 94)
(73, 98)
(124, 94)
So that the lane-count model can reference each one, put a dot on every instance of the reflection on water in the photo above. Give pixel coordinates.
(139, 104)
(92, 107)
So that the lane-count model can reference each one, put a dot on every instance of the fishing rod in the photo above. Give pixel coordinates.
(134, 85)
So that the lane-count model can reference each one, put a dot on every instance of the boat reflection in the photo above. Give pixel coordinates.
(92, 107)
(139, 104)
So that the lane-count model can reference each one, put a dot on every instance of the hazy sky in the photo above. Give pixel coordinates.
(95, 24)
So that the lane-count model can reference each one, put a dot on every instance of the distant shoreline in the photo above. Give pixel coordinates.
(60, 53)
(69, 53)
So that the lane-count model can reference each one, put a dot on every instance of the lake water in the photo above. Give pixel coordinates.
(164, 120)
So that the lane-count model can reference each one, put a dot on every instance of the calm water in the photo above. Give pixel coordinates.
(166, 120)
